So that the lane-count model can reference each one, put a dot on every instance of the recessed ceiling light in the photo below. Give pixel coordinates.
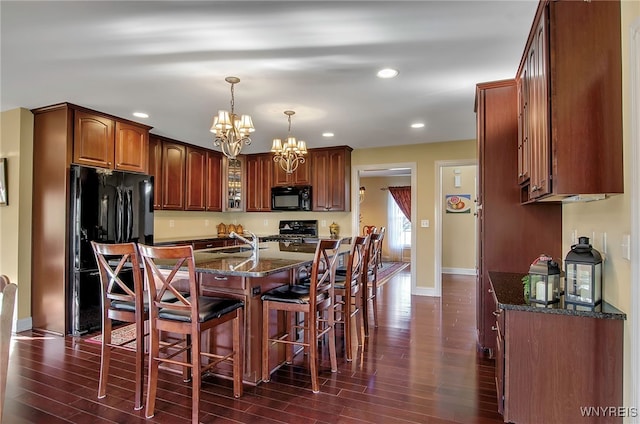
(327, 134)
(387, 73)
(140, 115)
(417, 125)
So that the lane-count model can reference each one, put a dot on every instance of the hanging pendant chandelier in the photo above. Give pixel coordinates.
(231, 130)
(290, 154)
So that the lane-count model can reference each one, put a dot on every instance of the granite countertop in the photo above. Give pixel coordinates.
(507, 288)
(272, 257)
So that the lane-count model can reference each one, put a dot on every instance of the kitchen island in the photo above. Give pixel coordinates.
(553, 364)
(235, 272)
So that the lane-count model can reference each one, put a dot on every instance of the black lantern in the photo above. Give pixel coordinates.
(583, 267)
(544, 279)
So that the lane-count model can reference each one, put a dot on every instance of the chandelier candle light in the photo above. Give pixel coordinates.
(290, 154)
(231, 130)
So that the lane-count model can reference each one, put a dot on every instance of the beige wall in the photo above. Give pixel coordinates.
(459, 230)
(374, 208)
(16, 144)
(612, 216)
(424, 156)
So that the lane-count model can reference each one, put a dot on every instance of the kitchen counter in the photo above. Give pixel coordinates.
(233, 272)
(509, 295)
(273, 257)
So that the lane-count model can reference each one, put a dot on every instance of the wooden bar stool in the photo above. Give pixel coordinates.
(348, 303)
(171, 270)
(315, 301)
(122, 300)
(370, 291)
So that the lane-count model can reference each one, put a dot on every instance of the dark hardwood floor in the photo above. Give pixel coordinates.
(419, 366)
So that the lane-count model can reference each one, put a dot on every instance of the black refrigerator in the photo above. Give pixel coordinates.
(108, 207)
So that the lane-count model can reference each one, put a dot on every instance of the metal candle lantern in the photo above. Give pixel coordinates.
(544, 278)
(583, 266)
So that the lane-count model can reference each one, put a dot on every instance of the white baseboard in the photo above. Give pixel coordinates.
(460, 271)
(425, 291)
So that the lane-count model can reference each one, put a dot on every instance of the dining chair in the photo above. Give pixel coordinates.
(171, 270)
(370, 289)
(368, 229)
(348, 303)
(382, 232)
(315, 302)
(122, 301)
(8, 290)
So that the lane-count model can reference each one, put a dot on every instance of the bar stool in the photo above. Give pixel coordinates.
(121, 302)
(370, 291)
(348, 303)
(171, 269)
(315, 301)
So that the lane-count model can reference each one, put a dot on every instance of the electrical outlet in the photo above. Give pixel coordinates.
(172, 223)
(266, 222)
(424, 223)
(323, 223)
(206, 222)
(574, 236)
(604, 243)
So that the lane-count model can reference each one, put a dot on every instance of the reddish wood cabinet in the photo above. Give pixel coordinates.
(331, 179)
(259, 182)
(64, 134)
(173, 175)
(571, 80)
(155, 169)
(196, 179)
(104, 142)
(214, 181)
(301, 176)
(510, 235)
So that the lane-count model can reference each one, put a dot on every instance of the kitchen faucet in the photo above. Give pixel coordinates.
(253, 242)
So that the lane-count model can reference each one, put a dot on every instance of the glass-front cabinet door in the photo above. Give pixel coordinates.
(234, 181)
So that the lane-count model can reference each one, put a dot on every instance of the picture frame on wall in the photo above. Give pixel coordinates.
(4, 199)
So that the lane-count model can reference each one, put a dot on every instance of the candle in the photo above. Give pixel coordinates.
(540, 290)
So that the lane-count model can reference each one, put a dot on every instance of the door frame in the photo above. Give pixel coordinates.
(439, 205)
(634, 325)
(355, 209)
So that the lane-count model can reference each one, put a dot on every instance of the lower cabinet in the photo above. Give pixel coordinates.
(551, 367)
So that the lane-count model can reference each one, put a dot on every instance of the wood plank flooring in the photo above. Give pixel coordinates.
(419, 366)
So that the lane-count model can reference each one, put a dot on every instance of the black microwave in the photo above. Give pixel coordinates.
(291, 198)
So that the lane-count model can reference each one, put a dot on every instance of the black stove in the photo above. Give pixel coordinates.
(295, 231)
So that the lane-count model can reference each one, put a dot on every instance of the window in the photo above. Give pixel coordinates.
(398, 229)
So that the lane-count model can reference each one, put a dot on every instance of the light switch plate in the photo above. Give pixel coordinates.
(424, 223)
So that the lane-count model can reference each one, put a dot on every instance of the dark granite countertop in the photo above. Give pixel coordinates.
(508, 290)
(272, 257)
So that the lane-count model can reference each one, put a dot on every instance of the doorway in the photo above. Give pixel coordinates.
(378, 170)
(445, 191)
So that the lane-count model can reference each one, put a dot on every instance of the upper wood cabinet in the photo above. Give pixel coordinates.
(259, 181)
(571, 81)
(331, 179)
(301, 176)
(196, 179)
(155, 169)
(214, 181)
(173, 175)
(105, 142)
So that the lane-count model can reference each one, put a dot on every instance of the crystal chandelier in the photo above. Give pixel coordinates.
(231, 130)
(291, 153)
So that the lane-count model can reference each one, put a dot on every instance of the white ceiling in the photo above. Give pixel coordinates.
(319, 58)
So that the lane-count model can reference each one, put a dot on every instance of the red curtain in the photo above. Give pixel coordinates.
(402, 196)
